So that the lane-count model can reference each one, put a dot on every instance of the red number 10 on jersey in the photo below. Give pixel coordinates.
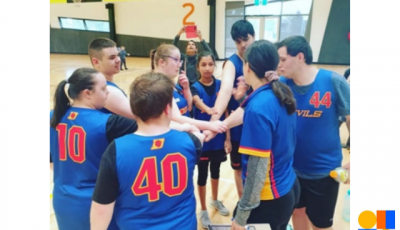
(71, 140)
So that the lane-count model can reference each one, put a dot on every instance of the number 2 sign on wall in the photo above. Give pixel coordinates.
(185, 22)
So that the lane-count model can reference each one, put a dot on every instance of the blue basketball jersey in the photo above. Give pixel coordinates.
(155, 177)
(236, 132)
(181, 101)
(269, 131)
(76, 148)
(104, 110)
(217, 142)
(318, 148)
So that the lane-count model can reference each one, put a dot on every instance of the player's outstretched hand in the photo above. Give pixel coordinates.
(212, 111)
(209, 135)
(199, 135)
(241, 88)
(218, 126)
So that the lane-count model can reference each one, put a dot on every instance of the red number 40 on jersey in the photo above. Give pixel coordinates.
(148, 173)
(326, 100)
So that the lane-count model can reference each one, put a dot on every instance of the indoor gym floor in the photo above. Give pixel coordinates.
(62, 66)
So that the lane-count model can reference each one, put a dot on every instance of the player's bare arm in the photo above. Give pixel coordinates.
(118, 103)
(100, 215)
(201, 106)
(215, 126)
(228, 143)
(235, 119)
(225, 92)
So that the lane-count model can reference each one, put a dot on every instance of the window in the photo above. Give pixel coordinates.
(293, 25)
(71, 23)
(296, 7)
(256, 22)
(279, 19)
(84, 24)
(234, 11)
(271, 28)
(101, 26)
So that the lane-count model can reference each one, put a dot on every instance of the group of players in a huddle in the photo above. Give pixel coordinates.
(127, 161)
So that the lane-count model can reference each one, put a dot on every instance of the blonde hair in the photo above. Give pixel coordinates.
(162, 51)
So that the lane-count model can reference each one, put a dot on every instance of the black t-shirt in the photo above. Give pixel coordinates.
(117, 126)
(107, 185)
(210, 90)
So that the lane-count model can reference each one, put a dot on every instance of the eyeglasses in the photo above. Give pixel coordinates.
(177, 61)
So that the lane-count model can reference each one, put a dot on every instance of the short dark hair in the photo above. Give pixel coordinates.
(296, 45)
(241, 29)
(97, 45)
(150, 93)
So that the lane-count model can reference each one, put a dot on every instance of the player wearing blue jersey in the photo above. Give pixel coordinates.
(205, 92)
(79, 134)
(179, 96)
(242, 33)
(182, 94)
(271, 190)
(104, 57)
(145, 178)
(166, 60)
(322, 96)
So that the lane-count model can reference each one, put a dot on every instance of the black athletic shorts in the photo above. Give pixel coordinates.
(214, 155)
(319, 198)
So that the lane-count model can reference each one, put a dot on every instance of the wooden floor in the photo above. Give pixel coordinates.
(62, 66)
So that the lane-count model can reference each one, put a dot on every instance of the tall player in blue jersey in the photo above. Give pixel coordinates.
(145, 178)
(322, 96)
(79, 134)
(205, 92)
(242, 33)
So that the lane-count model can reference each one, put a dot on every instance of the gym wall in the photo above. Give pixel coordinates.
(140, 25)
